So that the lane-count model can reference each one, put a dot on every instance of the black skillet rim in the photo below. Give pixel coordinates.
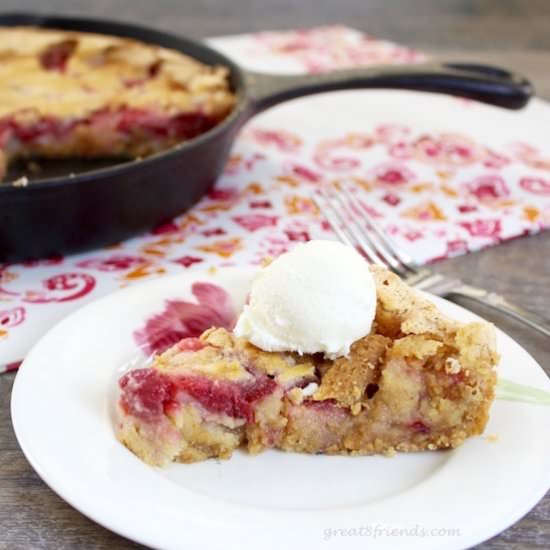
(49, 21)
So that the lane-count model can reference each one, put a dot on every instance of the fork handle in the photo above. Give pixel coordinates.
(500, 303)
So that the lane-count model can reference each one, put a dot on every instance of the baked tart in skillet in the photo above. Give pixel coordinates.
(66, 94)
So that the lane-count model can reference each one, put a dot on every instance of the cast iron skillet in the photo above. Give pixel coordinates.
(93, 208)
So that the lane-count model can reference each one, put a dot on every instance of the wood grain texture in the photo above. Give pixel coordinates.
(508, 32)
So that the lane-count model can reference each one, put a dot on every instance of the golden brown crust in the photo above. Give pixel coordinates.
(347, 378)
(183, 437)
(102, 71)
(402, 310)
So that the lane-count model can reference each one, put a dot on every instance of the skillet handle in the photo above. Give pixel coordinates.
(480, 82)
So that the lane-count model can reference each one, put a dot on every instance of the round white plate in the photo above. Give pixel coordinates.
(62, 409)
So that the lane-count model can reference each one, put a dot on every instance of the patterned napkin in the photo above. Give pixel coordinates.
(444, 176)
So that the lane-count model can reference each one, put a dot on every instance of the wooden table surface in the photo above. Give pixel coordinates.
(514, 33)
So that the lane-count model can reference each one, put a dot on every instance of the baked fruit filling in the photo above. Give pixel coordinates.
(418, 381)
(70, 94)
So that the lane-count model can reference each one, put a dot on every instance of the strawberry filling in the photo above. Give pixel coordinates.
(56, 56)
(126, 121)
(190, 344)
(184, 125)
(419, 427)
(147, 394)
(229, 398)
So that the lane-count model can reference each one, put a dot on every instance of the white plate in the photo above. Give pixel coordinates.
(62, 409)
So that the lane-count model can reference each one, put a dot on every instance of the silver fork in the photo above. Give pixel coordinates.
(357, 228)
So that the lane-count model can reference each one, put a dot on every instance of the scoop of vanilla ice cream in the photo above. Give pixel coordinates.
(319, 297)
